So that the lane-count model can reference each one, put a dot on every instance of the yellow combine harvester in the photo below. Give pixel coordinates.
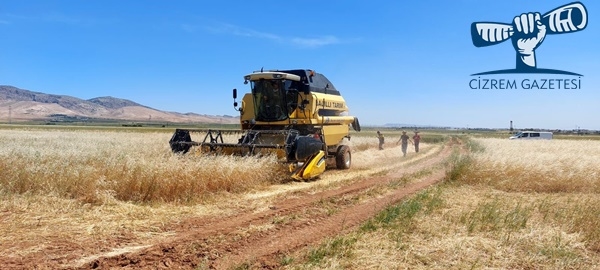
(296, 114)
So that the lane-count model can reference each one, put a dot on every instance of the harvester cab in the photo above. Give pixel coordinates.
(296, 114)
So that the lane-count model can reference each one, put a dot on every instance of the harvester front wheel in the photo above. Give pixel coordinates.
(180, 141)
(343, 157)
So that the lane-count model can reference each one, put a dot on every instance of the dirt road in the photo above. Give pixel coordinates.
(260, 240)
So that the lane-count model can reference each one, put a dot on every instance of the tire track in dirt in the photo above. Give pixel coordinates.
(220, 243)
(217, 224)
(340, 223)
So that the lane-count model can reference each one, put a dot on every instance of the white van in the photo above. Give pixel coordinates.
(532, 135)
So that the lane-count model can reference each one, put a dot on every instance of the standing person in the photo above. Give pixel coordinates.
(381, 140)
(404, 139)
(416, 138)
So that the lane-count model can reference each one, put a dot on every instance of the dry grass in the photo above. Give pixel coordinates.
(516, 204)
(466, 228)
(508, 205)
(537, 166)
(95, 166)
(92, 186)
(371, 157)
(87, 186)
(569, 168)
(479, 229)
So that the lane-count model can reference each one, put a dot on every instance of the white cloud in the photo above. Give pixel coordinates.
(250, 33)
(315, 42)
(243, 32)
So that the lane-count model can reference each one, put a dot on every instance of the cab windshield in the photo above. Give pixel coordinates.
(269, 100)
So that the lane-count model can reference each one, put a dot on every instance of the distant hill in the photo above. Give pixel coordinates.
(113, 103)
(25, 105)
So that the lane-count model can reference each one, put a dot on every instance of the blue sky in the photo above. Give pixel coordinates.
(393, 61)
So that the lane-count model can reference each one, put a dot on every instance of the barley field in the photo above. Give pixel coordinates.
(504, 205)
(92, 184)
(95, 166)
(548, 166)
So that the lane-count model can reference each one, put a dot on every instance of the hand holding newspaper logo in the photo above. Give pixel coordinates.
(528, 31)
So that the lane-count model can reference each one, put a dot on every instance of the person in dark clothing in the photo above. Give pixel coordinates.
(381, 140)
(404, 139)
(416, 138)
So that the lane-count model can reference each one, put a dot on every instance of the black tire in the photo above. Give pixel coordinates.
(180, 141)
(356, 124)
(343, 158)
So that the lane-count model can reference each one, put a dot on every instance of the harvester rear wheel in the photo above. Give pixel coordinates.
(343, 157)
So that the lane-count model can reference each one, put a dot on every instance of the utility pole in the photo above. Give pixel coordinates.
(10, 114)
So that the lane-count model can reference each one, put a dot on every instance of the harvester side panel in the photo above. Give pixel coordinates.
(335, 134)
(247, 113)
